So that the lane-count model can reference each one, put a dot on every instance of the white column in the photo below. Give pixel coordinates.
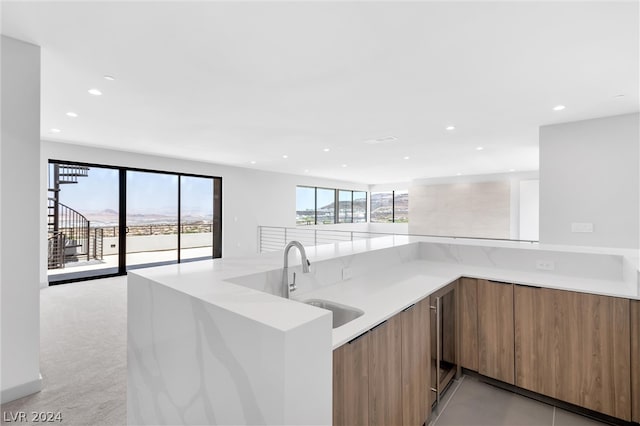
(20, 218)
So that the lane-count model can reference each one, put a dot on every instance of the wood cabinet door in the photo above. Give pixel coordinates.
(468, 293)
(535, 340)
(416, 405)
(635, 360)
(495, 330)
(575, 347)
(385, 373)
(351, 383)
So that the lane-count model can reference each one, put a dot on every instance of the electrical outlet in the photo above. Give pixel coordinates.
(581, 227)
(347, 273)
(545, 265)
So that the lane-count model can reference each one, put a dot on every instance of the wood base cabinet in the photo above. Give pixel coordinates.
(495, 330)
(468, 314)
(385, 373)
(383, 376)
(635, 360)
(351, 383)
(416, 354)
(574, 347)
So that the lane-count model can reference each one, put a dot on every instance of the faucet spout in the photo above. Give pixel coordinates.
(288, 288)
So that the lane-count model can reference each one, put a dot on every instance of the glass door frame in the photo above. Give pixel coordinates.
(216, 225)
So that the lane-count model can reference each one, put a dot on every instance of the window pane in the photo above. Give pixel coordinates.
(326, 206)
(345, 205)
(359, 207)
(401, 204)
(83, 221)
(196, 218)
(305, 205)
(381, 207)
(152, 219)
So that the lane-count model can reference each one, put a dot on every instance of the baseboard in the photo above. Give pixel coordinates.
(11, 394)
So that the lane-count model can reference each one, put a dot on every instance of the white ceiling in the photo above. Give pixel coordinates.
(238, 82)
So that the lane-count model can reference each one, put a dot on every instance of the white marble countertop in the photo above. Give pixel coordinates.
(384, 294)
(381, 294)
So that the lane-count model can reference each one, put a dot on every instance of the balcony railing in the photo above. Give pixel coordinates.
(274, 238)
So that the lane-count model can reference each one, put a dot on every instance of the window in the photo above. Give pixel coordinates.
(305, 205)
(345, 206)
(389, 207)
(325, 206)
(322, 206)
(382, 207)
(401, 206)
(359, 207)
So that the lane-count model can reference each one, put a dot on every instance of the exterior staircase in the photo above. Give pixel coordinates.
(69, 232)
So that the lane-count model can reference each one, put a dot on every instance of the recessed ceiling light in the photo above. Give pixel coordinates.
(407, 157)
(54, 130)
(72, 114)
(559, 107)
(512, 170)
(344, 165)
(326, 150)
(479, 148)
(252, 162)
(306, 170)
(95, 92)
(109, 77)
(285, 156)
(451, 127)
(459, 174)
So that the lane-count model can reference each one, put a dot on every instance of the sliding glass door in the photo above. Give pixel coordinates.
(106, 220)
(196, 218)
(83, 221)
(152, 219)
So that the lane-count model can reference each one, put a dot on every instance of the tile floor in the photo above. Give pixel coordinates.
(470, 402)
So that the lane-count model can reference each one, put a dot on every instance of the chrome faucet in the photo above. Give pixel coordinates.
(289, 287)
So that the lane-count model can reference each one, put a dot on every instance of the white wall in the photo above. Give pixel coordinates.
(529, 202)
(20, 215)
(589, 173)
(249, 197)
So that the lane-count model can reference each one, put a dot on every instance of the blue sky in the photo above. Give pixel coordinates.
(146, 193)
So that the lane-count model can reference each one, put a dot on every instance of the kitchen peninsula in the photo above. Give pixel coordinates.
(214, 342)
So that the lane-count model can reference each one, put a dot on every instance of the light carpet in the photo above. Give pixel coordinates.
(83, 355)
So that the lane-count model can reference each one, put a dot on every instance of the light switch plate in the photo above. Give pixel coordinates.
(581, 227)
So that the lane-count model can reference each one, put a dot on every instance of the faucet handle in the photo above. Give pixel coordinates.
(292, 286)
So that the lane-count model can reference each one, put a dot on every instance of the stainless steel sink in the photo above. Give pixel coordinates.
(342, 314)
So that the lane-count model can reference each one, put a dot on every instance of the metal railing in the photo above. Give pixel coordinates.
(74, 226)
(55, 249)
(97, 243)
(158, 229)
(275, 238)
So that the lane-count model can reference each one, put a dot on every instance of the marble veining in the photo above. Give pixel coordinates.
(190, 362)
